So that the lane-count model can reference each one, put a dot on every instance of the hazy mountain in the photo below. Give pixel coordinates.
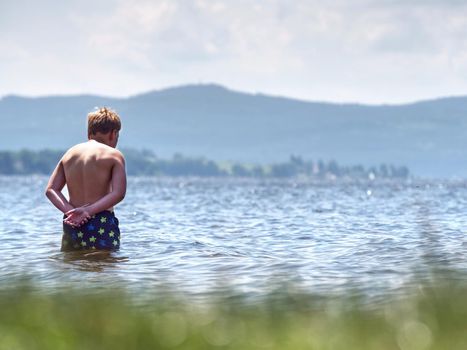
(209, 120)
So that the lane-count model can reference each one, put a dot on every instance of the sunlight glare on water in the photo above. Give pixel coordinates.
(198, 235)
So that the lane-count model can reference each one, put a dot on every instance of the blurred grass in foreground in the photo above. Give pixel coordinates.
(432, 318)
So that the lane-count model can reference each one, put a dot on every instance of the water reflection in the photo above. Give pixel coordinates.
(91, 261)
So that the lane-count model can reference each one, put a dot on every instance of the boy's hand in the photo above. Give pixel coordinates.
(77, 217)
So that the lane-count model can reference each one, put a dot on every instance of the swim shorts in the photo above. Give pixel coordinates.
(100, 232)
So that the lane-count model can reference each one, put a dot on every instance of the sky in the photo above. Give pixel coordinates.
(365, 51)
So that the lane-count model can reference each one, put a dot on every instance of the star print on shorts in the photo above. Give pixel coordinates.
(100, 232)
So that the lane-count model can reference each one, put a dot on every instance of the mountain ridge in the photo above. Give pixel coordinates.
(210, 120)
(226, 89)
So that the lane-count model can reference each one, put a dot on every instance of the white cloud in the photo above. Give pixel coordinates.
(361, 50)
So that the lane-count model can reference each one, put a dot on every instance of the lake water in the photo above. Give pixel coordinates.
(200, 235)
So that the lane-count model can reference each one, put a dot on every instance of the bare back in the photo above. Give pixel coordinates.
(88, 171)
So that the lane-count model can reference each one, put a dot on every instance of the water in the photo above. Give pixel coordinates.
(201, 235)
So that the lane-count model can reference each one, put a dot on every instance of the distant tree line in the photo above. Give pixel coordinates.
(28, 162)
(145, 162)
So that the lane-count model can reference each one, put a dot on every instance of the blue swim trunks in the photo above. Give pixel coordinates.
(100, 232)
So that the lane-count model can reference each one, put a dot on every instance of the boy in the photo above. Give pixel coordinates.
(94, 172)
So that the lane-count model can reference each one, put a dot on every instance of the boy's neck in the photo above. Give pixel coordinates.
(99, 139)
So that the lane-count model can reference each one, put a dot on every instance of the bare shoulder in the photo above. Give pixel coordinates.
(115, 155)
(72, 152)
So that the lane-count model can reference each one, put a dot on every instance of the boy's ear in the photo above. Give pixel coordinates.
(113, 135)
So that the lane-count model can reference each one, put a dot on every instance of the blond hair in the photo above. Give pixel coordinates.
(103, 120)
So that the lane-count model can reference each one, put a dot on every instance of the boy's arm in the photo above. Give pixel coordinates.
(118, 182)
(54, 189)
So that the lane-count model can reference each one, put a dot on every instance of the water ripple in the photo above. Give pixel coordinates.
(198, 235)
